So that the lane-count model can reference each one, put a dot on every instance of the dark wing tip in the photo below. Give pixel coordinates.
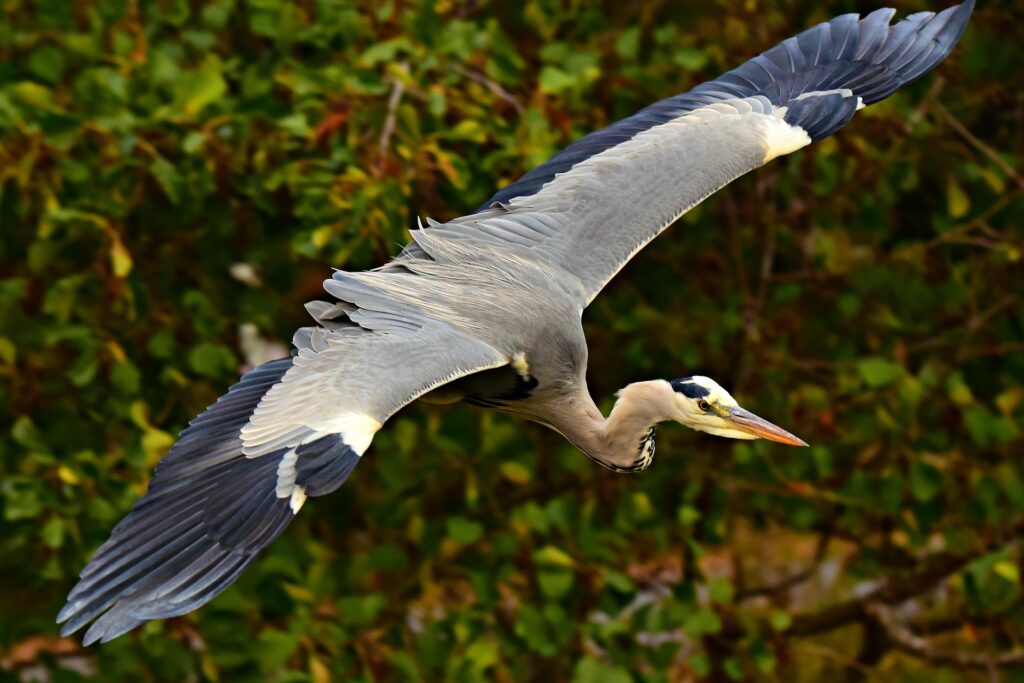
(869, 56)
(849, 61)
(912, 54)
(171, 556)
(175, 553)
(207, 512)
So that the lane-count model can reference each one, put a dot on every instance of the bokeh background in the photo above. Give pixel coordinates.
(177, 178)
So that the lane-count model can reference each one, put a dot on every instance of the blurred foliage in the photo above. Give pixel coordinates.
(176, 178)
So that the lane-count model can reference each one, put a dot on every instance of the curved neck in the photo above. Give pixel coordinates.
(624, 442)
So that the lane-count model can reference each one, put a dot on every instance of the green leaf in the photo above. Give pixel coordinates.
(360, 610)
(720, 590)
(780, 620)
(21, 502)
(8, 351)
(25, 433)
(593, 671)
(295, 124)
(987, 428)
(211, 359)
(553, 556)
(167, 177)
(533, 627)
(515, 472)
(627, 45)
(34, 95)
(274, 648)
(977, 421)
(690, 58)
(555, 583)
(100, 509)
(733, 669)
(958, 390)
(1008, 570)
(958, 201)
(878, 372)
(536, 517)
(554, 80)
(483, 655)
(464, 531)
(120, 259)
(197, 89)
(386, 51)
(688, 515)
(702, 622)
(52, 532)
(162, 344)
(700, 664)
(388, 558)
(126, 377)
(925, 481)
(47, 62)
(83, 371)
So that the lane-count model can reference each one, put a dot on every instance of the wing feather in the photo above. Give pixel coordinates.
(614, 190)
(212, 506)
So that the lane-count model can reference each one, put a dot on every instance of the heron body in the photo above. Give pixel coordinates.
(487, 309)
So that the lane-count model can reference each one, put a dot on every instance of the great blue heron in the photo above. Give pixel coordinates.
(487, 309)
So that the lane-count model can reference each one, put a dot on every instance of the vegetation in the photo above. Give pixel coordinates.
(177, 178)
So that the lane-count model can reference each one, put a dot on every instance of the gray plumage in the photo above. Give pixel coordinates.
(487, 309)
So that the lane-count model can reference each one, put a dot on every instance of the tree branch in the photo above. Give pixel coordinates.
(397, 90)
(911, 643)
(993, 156)
(891, 591)
(793, 579)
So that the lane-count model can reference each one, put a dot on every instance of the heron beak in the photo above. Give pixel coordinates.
(746, 421)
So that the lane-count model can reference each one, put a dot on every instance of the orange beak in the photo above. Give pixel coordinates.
(746, 421)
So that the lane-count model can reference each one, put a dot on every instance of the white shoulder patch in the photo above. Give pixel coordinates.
(356, 429)
(297, 499)
(520, 365)
(780, 137)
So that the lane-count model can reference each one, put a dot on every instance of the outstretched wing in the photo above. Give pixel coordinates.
(596, 203)
(291, 428)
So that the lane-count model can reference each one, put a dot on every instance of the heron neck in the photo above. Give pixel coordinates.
(624, 442)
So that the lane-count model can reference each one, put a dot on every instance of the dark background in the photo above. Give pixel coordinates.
(177, 178)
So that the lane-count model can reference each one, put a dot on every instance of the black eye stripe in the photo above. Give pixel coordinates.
(688, 388)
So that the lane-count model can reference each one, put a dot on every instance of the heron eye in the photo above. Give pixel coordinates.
(704, 405)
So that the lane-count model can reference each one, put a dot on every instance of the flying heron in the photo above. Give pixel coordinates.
(487, 309)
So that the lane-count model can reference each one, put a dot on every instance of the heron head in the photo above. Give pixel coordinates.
(702, 404)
